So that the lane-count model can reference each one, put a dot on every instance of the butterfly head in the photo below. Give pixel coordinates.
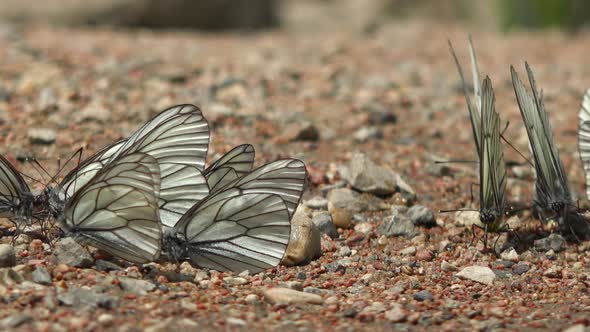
(488, 216)
(174, 247)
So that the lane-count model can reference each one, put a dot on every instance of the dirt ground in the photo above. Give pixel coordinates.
(278, 90)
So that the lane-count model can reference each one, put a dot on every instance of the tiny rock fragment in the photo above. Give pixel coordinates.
(396, 314)
(7, 256)
(482, 274)
(467, 218)
(323, 222)
(317, 203)
(509, 254)
(553, 241)
(448, 267)
(94, 112)
(397, 225)
(67, 251)
(421, 216)
(41, 276)
(364, 175)
(136, 286)
(423, 295)
(42, 136)
(290, 296)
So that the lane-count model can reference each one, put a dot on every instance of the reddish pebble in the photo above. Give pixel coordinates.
(424, 255)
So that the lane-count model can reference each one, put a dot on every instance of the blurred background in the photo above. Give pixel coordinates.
(353, 15)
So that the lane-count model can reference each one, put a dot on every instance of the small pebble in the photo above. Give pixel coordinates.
(481, 274)
(7, 256)
(290, 296)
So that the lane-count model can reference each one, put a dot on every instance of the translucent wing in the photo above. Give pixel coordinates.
(584, 138)
(232, 165)
(178, 135)
(474, 111)
(117, 210)
(551, 184)
(285, 178)
(182, 187)
(12, 188)
(492, 167)
(79, 176)
(233, 231)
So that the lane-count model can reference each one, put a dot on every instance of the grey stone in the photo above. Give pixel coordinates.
(421, 216)
(68, 251)
(423, 295)
(136, 286)
(396, 314)
(94, 112)
(553, 241)
(482, 274)
(41, 276)
(290, 296)
(43, 136)
(323, 222)
(317, 203)
(366, 133)
(106, 266)
(7, 256)
(520, 268)
(16, 320)
(84, 297)
(364, 175)
(397, 225)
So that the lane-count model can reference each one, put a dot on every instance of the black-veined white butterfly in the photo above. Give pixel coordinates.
(117, 209)
(485, 124)
(17, 202)
(243, 226)
(178, 138)
(584, 138)
(552, 194)
(492, 171)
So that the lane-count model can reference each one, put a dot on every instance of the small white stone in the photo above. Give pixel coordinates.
(482, 274)
(509, 255)
(290, 296)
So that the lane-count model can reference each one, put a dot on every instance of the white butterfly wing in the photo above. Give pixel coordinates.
(182, 187)
(285, 178)
(79, 176)
(12, 188)
(117, 210)
(177, 135)
(233, 231)
(232, 165)
(551, 183)
(584, 138)
(474, 110)
(492, 166)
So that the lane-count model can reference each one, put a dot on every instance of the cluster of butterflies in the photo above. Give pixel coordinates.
(552, 196)
(151, 195)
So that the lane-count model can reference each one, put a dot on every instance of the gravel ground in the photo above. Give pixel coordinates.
(392, 95)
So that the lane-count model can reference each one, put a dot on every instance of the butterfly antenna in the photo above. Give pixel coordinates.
(457, 210)
(36, 162)
(35, 167)
(60, 167)
(455, 161)
(515, 149)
